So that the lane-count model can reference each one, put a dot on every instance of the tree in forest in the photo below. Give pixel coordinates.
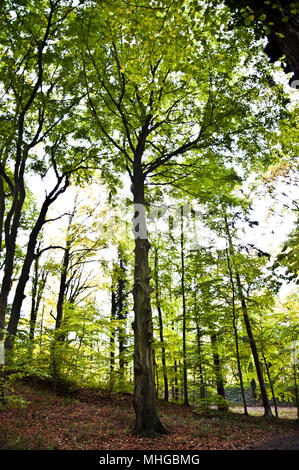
(82, 246)
(39, 280)
(246, 317)
(160, 318)
(38, 120)
(235, 328)
(154, 95)
(118, 315)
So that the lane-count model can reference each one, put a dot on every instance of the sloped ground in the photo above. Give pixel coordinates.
(91, 420)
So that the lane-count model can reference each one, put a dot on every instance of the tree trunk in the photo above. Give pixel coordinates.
(62, 286)
(296, 388)
(59, 336)
(37, 293)
(257, 363)
(236, 334)
(185, 379)
(121, 315)
(253, 388)
(2, 210)
(271, 384)
(33, 312)
(252, 342)
(10, 245)
(112, 335)
(23, 279)
(147, 422)
(201, 378)
(157, 291)
(24, 276)
(218, 371)
(176, 390)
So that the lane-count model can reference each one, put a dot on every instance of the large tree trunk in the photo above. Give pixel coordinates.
(147, 421)
(10, 245)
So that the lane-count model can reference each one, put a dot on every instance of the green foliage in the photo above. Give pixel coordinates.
(87, 93)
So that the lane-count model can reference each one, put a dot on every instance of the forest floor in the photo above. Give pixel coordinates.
(91, 420)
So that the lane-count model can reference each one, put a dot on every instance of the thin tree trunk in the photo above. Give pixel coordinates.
(296, 388)
(218, 371)
(236, 334)
(59, 336)
(62, 286)
(253, 388)
(41, 328)
(157, 291)
(271, 384)
(33, 312)
(176, 391)
(201, 378)
(155, 375)
(252, 342)
(185, 379)
(112, 335)
(258, 367)
(121, 295)
(36, 303)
